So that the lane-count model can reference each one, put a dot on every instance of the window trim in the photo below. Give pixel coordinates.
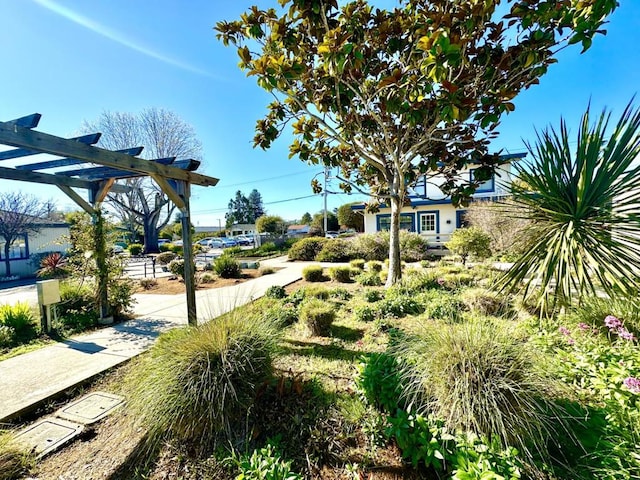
(436, 214)
(388, 215)
(26, 249)
(488, 189)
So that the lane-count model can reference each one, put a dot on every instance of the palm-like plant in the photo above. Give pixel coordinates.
(583, 206)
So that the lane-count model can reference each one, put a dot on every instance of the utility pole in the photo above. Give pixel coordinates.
(324, 194)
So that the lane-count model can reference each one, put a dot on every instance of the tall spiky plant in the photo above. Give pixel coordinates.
(583, 205)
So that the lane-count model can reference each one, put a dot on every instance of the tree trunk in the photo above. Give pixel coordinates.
(7, 263)
(150, 236)
(395, 269)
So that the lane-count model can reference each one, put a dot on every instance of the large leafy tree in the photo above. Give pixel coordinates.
(20, 214)
(245, 209)
(349, 218)
(163, 134)
(581, 207)
(391, 95)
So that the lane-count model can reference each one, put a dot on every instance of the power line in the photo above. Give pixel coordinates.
(250, 182)
(220, 210)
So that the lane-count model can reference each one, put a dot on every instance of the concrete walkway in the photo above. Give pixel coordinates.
(32, 378)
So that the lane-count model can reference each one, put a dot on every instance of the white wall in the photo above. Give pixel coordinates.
(49, 239)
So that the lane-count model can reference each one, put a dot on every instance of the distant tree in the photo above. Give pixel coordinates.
(163, 134)
(20, 214)
(243, 209)
(306, 219)
(270, 224)
(317, 224)
(390, 96)
(348, 218)
(256, 207)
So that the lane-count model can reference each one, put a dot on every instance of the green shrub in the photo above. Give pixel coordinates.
(16, 460)
(372, 295)
(453, 281)
(445, 307)
(317, 316)
(357, 264)
(265, 464)
(164, 247)
(275, 291)
(470, 241)
(177, 249)
(378, 381)
(371, 246)
(196, 385)
(20, 319)
(7, 335)
(374, 266)
(233, 251)
(340, 274)
(340, 293)
(365, 313)
(281, 314)
(369, 279)
(479, 377)
(413, 247)
(335, 250)
(77, 310)
(135, 249)
(207, 278)
(227, 267)
(165, 257)
(120, 296)
(268, 247)
(176, 267)
(307, 249)
(313, 273)
(399, 306)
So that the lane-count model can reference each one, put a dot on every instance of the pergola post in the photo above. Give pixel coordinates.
(187, 247)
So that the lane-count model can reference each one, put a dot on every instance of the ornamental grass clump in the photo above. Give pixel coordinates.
(478, 377)
(15, 460)
(20, 319)
(196, 385)
(313, 273)
(340, 274)
(317, 316)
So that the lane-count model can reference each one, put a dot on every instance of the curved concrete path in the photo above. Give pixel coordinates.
(30, 379)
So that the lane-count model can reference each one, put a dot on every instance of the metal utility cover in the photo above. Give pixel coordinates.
(91, 408)
(48, 434)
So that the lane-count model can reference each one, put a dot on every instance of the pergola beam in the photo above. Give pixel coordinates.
(28, 121)
(89, 139)
(64, 162)
(107, 172)
(81, 202)
(49, 179)
(34, 140)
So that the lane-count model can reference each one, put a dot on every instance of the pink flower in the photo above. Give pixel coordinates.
(633, 384)
(625, 334)
(584, 327)
(564, 331)
(612, 322)
(441, 281)
(570, 341)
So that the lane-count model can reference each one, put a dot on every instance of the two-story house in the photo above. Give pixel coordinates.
(430, 212)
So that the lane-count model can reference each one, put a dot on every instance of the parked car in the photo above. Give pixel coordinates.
(163, 241)
(331, 234)
(244, 240)
(205, 241)
(117, 249)
(215, 243)
(177, 243)
(228, 242)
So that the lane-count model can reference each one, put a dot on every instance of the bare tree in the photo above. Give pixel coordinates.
(493, 218)
(20, 214)
(163, 134)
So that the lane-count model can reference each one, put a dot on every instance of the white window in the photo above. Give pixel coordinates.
(428, 223)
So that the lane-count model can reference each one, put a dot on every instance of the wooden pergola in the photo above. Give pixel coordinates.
(96, 170)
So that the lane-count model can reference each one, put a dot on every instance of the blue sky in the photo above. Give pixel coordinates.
(71, 59)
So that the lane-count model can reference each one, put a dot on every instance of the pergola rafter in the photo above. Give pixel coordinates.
(102, 168)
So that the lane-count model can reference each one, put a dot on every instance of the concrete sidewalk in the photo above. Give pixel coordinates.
(32, 378)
